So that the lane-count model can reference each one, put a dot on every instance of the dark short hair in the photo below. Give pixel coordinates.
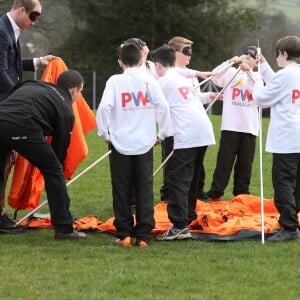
(70, 79)
(130, 54)
(165, 55)
(136, 41)
(251, 51)
(290, 44)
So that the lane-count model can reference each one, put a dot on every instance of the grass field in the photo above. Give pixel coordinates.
(34, 266)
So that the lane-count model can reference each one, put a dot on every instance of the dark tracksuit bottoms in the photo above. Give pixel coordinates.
(128, 171)
(166, 148)
(183, 196)
(195, 186)
(238, 149)
(286, 183)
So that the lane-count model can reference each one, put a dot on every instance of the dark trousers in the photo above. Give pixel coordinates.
(31, 144)
(236, 149)
(128, 171)
(286, 183)
(181, 172)
(201, 181)
(166, 148)
(194, 186)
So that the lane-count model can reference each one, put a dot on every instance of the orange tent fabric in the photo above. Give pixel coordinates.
(225, 218)
(27, 185)
(27, 182)
(222, 218)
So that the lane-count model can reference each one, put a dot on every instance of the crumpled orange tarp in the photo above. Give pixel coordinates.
(222, 218)
(27, 182)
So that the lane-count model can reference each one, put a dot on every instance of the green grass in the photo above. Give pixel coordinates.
(34, 266)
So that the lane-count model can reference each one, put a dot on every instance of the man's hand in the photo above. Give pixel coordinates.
(44, 60)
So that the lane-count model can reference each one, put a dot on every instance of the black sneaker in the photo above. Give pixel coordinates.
(285, 235)
(175, 233)
(6, 222)
(75, 235)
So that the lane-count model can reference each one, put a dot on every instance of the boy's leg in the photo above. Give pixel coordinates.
(166, 148)
(297, 189)
(225, 160)
(201, 193)
(179, 180)
(193, 191)
(121, 175)
(243, 165)
(284, 175)
(143, 176)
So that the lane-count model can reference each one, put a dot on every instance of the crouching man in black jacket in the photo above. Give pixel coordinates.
(30, 112)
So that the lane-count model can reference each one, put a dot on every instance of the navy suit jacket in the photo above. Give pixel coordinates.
(11, 63)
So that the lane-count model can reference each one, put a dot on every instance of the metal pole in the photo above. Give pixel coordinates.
(222, 90)
(71, 181)
(261, 162)
(210, 77)
(163, 163)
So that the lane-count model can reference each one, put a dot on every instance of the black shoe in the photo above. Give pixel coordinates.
(285, 235)
(7, 223)
(203, 196)
(69, 236)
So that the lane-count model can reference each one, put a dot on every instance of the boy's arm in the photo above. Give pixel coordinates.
(190, 73)
(267, 96)
(162, 113)
(267, 72)
(224, 72)
(103, 116)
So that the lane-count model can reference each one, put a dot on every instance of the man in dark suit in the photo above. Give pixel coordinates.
(23, 15)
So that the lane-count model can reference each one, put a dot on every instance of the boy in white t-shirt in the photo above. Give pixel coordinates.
(282, 95)
(131, 104)
(240, 124)
(192, 131)
(183, 47)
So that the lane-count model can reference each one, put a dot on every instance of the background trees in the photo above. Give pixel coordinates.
(86, 33)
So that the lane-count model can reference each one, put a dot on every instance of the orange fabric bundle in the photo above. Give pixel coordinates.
(27, 182)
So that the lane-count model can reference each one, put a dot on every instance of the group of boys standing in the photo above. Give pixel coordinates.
(148, 93)
(134, 102)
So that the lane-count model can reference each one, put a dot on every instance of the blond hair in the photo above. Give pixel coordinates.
(179, 42)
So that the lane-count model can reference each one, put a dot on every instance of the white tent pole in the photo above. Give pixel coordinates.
(261, 161)
(210, 77)
(222, 90)
(163, 163)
